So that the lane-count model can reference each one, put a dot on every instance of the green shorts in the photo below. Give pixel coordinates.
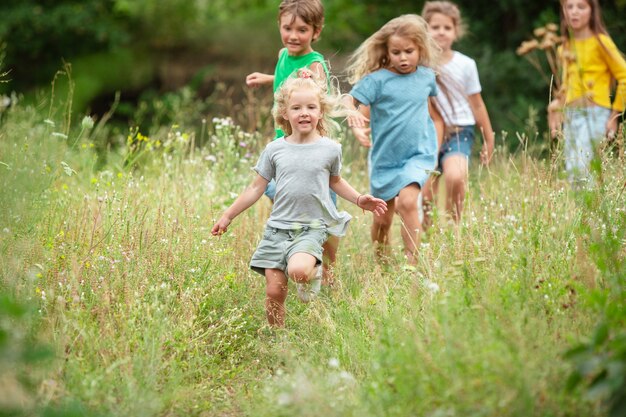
(278, 245)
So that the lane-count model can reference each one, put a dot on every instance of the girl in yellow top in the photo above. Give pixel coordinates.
(591, 62)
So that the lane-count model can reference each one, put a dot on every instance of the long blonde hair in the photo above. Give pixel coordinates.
(373, 53)
(327, 94)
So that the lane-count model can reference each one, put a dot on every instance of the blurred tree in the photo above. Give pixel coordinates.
(183, 41)
(39, 34)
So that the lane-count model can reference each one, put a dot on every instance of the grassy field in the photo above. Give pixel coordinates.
(117, 301)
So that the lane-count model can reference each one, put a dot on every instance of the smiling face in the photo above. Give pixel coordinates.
(303, 112)
(404, 55)
(296, 35)
(578, 15)
(443, 30)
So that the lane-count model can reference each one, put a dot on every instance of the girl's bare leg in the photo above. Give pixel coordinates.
(411, 227)
(330, 256)
(455, 168)
(380, 230)
(275, 296)
(301, 267)
(428, 200)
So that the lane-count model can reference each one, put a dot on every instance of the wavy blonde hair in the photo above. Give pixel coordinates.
(326, 92)
(373, 53)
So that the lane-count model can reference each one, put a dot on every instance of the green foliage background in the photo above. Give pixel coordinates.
(115, 301)
(208, 42)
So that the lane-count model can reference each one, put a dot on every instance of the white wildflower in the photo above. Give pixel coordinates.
(431, 286)
(87, 123)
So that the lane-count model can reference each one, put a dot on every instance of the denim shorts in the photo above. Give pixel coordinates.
(459, 142)
(278, 245)
(270, 192)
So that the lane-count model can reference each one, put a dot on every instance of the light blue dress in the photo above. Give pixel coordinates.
(404, 139)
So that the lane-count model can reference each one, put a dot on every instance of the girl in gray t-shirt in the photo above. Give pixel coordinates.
(305, 164)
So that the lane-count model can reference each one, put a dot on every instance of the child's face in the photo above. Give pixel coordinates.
(296, 35)
(303, 111)
(442, 29)
(577, 14)
(404, 55)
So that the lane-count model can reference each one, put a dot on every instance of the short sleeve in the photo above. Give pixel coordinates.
(264, 166)
(434, 90)
(472, 82)
(365, 90)
(335, 167)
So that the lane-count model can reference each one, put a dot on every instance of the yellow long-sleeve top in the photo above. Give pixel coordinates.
(589, 68)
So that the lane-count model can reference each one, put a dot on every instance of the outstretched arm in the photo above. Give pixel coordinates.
(246, 199)
(364, 201)
(257, 79)
(484, 124)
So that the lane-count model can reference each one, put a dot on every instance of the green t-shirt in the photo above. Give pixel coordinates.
(287, 64)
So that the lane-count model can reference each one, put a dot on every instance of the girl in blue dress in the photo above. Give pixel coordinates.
(393, 90)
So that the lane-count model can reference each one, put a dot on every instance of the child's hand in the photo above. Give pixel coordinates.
(611, 126)
(356, 119)
(555, 118)
(221, 226)
(257, 79)
(485, 155)
(373, 204)
(362, 134)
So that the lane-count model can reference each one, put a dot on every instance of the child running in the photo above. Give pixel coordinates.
(395, 86)
(461, 106)
(305, 164)
(300, 23)
(590, 62)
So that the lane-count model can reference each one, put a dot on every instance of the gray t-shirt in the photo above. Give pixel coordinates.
(302, 174)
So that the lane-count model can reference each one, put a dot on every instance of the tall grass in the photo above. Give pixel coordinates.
(148, 315)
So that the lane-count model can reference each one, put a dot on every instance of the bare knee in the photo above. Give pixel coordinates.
(406, 207)
(299, 273)
(456, 179)
(276, 292)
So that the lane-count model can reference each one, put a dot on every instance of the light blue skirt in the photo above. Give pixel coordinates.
(584, 129)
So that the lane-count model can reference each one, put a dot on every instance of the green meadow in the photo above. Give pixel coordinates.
(117, 301)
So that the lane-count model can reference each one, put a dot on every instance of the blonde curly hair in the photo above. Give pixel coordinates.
(330, 101)
(373, 53)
